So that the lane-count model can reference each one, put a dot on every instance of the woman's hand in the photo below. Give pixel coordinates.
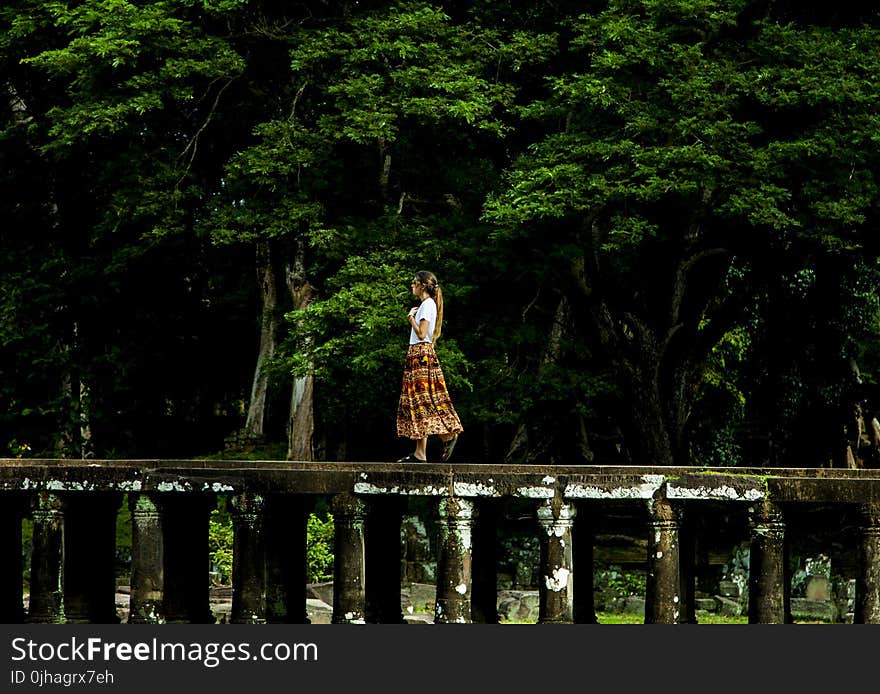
(413, 311)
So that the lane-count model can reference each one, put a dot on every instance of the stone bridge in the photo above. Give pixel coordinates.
(73, 506)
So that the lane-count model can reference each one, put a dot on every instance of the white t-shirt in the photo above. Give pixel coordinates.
(428, 312)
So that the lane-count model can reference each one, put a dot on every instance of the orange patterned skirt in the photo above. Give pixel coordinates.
(425, 406)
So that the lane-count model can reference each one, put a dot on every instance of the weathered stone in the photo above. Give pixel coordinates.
(519, 606)
(867, 599)
(147, 593)
(663, 577)
(349, 574)
(46, 604)
(767, 583)
(705, 604)
(634, 605)
(728, 606)
(817, 588)
(556, 581)
(730, 589)
(249, 559)
(453, 604)
(813, 610)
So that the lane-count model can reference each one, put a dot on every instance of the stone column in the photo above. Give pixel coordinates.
(382, 551)
(248, 560)
(453, 603)
(767, 589)
(187, 559)
(287, 569)
(12, 509)
(90, 558)
(47, 557)
(556, 581)
(147, 590)
(349, 578)
(867, 607)
(663, 597)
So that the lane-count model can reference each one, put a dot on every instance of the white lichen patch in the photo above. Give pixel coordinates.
(368, 488)
(132, 486)
(461, 588)
(427, 490)
(218, 487)
(62, 486)
(548, 480)
(722, 492)
(659, 555)
(174, 487)
(474, 489)
(535, 492)
(559, 580)
(646, 490)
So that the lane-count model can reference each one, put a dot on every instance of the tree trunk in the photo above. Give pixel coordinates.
(651, 438)
(301, 423)
(254, 425)
(553, 438)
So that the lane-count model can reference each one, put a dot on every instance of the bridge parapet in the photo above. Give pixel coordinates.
(73, 506)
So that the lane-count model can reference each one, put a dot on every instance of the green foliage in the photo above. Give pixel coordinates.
(615, 583)
(220, 536)
(619, 200)
(319, 548)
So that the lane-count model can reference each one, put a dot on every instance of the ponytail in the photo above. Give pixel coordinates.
(429, 281)
(438, 298)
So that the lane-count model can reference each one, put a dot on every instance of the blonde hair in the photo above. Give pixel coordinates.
(429, 281)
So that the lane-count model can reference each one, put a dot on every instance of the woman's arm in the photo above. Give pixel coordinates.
(421, 327)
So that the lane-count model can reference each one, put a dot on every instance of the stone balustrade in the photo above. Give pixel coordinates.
(73, 506)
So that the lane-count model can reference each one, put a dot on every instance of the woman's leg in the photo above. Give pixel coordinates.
(421, 448)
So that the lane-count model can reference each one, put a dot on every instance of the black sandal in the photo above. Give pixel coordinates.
(411, 459)
(448, 447)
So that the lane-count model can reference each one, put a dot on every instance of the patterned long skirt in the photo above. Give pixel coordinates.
(425, 406)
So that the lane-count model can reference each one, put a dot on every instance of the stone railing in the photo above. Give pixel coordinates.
(73, 506)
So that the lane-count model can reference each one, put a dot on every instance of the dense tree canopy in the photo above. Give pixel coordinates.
(654, 223)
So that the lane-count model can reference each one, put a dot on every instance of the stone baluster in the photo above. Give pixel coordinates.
(47, 556)
(248, 560)
(767, 574)
(287, 569)
(663, 589)
(12, 510)
(556, 582)
(349, 578)
(147, 590)
(867, 604)
(453, 602)
(90, 558)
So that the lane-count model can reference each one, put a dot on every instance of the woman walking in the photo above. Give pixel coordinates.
(425, 407)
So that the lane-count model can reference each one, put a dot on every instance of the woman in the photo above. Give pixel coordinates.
(425, 407)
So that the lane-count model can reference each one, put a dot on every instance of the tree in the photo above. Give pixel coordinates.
(698, 142)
